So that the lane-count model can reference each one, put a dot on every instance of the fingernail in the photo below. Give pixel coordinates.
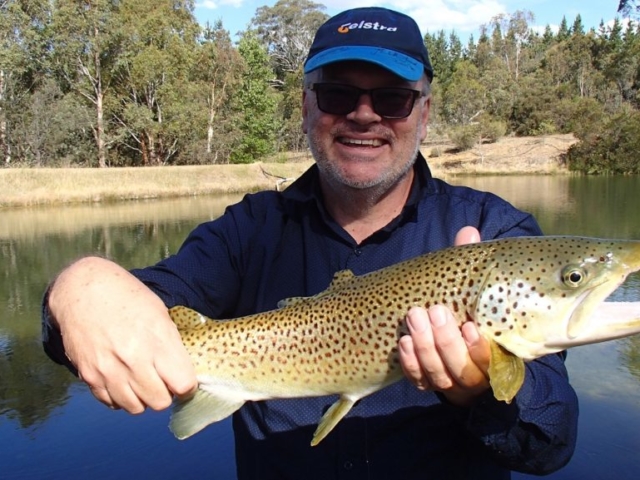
(404, 344)
(416, 323)
(437, 316)
(471, 336)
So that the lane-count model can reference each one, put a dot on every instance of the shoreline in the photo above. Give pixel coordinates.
(25, 187)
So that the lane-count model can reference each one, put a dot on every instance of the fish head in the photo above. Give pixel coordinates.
(538, 296)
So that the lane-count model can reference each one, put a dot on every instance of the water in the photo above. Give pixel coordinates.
(52, 428)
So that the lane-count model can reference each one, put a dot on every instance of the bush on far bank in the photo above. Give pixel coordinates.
(613, 149)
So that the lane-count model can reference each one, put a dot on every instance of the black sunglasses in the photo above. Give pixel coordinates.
(388, 102)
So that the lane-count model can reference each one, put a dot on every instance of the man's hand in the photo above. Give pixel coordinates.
(439, 355)
(120, 337)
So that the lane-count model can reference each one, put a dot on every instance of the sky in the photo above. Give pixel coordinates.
(462, 16)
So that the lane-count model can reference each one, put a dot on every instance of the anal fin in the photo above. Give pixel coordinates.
(331, 418)
(190, 416)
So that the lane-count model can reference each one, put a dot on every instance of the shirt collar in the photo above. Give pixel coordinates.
(307, 187)
(306, 190)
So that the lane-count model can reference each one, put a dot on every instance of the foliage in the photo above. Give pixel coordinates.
(465, 137)
(123, 82)
(257, 104)
(483, 129)
(610, 150)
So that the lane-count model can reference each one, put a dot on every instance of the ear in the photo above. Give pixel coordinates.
(424, 118)
(305, 111)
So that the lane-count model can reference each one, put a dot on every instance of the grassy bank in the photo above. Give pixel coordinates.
(37, 186)
(44, 186)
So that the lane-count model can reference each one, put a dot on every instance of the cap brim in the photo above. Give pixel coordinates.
(402, 65)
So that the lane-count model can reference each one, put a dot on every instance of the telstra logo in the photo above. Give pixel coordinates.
(345, 28)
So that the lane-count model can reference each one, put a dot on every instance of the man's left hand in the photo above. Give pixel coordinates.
(439, 355)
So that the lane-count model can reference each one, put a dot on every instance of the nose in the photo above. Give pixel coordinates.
(364, 112)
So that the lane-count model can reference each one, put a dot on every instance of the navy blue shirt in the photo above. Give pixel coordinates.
(275, 245)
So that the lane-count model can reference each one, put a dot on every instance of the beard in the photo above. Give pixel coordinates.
(339, 181)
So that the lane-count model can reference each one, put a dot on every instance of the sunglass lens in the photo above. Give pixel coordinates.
(393, 102)
(337, 99)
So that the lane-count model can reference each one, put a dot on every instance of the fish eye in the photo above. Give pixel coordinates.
(573, 276)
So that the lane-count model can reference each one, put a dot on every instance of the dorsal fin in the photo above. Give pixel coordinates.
(187, 319)
(339, 279)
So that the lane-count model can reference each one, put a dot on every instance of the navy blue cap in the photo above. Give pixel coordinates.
(385, 37)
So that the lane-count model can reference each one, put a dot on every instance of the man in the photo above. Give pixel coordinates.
(369, 202)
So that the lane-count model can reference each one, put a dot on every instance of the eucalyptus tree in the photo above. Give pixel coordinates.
(217, 72)
(23, 47)
(159, 41)
(511, 34)
(287, 30)
(465, 98)
(86, 43)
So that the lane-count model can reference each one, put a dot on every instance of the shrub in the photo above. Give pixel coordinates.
(614, 150)
(465, 137)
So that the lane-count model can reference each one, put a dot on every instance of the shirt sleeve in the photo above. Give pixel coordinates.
(204, 274)
(537, 432)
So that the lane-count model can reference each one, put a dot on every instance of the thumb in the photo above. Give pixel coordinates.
(467, 235)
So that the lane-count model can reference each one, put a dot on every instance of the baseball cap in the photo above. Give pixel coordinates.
(378, 35)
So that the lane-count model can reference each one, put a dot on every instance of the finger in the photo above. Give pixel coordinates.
(151, 392)
(410, 365)
(478, 346)
(453, 349)
(119, 396)
(102, 395)
(467, 235)
(420, 327)
(177, 370)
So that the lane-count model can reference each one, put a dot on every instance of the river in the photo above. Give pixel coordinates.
(52, 428)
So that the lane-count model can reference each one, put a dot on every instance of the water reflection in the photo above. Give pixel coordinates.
(52, 428)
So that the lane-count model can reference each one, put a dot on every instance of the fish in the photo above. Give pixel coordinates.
(529, 297)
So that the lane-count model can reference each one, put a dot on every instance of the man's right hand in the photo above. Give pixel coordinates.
(119, 336)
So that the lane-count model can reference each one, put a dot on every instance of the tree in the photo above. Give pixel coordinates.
(22, 54)
(257, 103)
(218, 70)
(510, 46)
(86, 41)
(153, 77)
(465, 99)
(287, 30)
(629, 8)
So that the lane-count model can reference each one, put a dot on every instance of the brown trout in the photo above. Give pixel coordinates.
(529, 296)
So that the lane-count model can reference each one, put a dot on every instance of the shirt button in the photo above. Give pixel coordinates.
(357, 252)
(348, 465)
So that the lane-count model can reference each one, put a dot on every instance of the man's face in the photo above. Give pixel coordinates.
(361, 149)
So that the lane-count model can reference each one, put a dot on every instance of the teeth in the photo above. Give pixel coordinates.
(355, 141)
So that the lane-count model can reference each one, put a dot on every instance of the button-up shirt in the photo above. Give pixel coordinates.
(277, 245)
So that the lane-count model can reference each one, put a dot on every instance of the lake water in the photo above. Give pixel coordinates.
(52, 428)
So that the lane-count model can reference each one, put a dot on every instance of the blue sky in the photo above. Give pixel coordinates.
(462, 16)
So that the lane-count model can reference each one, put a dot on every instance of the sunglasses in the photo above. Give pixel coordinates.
(388, 102)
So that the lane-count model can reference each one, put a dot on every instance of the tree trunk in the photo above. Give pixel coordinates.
(99, 132)
(5, 149)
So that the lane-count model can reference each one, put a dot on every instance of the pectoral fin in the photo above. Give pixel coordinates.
(191, 416)
(506, 373)
(331, 418)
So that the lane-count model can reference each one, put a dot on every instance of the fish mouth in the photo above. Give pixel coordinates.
(594, 320)
(583, 305)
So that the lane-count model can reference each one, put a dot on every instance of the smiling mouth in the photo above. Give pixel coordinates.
(373, 142)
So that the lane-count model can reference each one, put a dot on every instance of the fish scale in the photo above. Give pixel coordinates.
(529, 296)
